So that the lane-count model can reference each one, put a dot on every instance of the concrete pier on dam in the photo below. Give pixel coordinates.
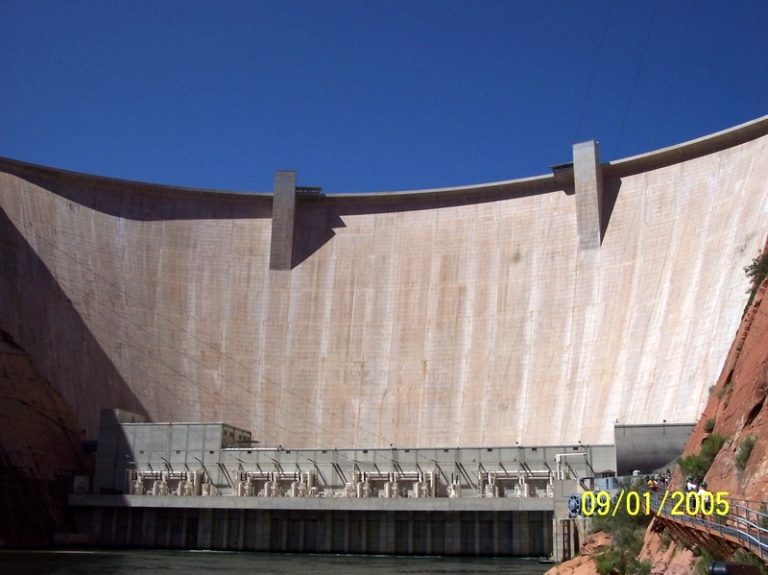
(538, 311)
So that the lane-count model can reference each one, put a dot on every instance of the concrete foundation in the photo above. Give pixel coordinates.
(512, 533)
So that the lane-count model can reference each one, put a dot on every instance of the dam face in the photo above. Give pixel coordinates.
(537, 312)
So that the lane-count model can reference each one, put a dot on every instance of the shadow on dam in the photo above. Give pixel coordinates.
(610, 195)
(37, 313)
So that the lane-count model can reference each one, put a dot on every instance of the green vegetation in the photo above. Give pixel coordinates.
(756, 272)
(612, 561)
(726, 385)
(627, 532)
(742, 557)
(697, 464)
(746, 558)
(701, 567)
(745, 450)
(709, 425)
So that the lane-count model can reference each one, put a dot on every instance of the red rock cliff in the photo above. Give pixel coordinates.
(737, 405)
(40, 452)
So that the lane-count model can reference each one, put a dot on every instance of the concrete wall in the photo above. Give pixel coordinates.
(498, 533)
(202, 446)
(649, 447)
(442, 318)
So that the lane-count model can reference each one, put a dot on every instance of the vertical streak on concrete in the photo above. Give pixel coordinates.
(588, 182)
(283, 217)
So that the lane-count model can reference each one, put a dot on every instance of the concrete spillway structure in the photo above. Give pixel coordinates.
(538, 311)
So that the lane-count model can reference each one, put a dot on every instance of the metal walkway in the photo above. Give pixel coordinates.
(745, 525)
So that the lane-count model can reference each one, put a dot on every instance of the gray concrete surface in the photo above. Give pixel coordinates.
(316, 504)
(223, 452)
(588, 185)
(649, 447)
(521, 533)
(283, 217)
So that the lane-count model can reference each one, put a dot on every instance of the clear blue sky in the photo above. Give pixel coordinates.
(366, 95)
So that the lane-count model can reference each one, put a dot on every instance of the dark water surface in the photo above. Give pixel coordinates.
(202, 562)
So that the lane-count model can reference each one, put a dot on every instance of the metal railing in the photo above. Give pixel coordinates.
(746, 522)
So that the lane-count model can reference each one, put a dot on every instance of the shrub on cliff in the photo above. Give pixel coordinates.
(756, 272)
(627, 532)
(743, 557)
(615, 561)
(745, 450)
(697, 464)
(740, 557)
(701, 567)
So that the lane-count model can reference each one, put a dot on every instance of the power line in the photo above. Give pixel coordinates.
(594, 71)
(673, 80)
(637, 76)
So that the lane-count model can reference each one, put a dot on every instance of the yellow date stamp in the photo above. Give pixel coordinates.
(675, 503)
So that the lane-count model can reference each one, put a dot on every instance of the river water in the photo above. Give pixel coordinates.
(236, 563)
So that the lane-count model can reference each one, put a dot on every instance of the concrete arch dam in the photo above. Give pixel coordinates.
(536, 311)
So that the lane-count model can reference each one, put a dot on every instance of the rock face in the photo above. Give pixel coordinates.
(471, 317)
(40, 452)
(672, 559)
(737, 408)
(583, 564)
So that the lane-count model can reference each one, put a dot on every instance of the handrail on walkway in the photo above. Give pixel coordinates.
(745, 522)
